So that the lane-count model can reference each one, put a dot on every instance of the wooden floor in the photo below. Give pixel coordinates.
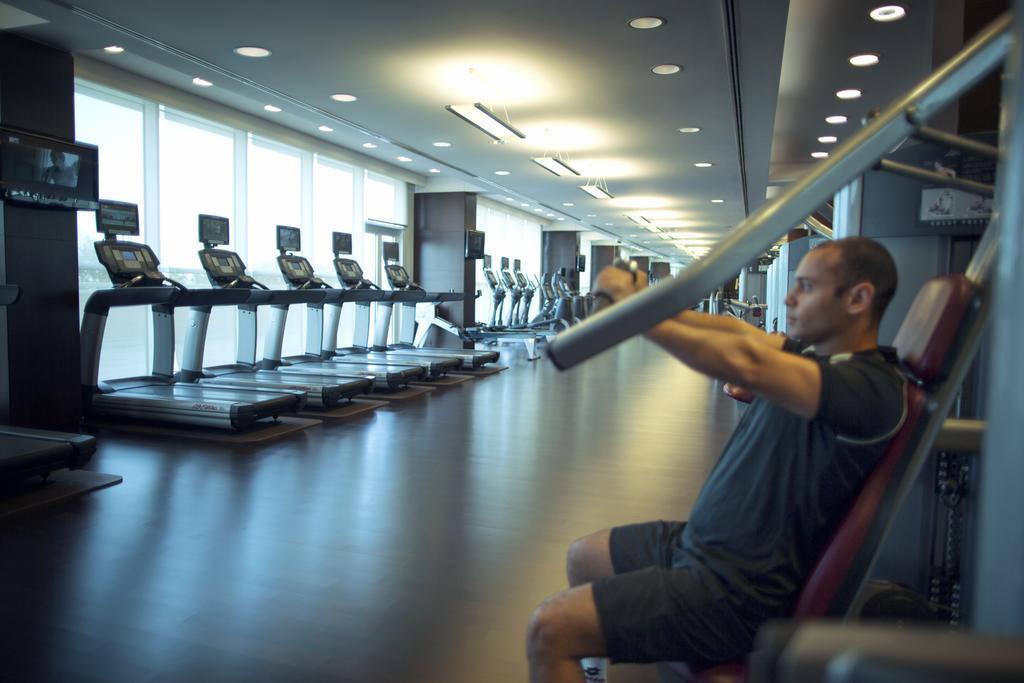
(408, 546)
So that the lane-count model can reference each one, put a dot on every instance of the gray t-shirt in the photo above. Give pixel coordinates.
(783, 483)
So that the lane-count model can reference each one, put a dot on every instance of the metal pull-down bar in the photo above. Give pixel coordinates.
(790, 208)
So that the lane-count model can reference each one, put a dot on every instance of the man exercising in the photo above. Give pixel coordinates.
(827, 402)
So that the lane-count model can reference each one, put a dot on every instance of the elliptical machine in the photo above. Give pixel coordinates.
(527, 288)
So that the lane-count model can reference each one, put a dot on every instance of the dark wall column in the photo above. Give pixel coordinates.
(560, 250)
(601, 257)
(643, 263)
(660, 270)
(439, 238)
(40, 376)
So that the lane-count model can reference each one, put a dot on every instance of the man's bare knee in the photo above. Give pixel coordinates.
(589, 558)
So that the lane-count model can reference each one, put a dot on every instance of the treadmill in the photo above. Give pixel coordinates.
(363, 292)
(321, 391)
(132, 268)
(298, 272)
(26, 452)
(398, 278)
(226, 270)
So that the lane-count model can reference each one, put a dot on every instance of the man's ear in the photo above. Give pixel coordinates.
(859, 298)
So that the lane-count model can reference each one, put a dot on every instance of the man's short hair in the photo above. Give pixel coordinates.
(865, 260)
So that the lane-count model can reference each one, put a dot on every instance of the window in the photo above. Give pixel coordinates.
(332, 212)
(114, 125)
(381, 199)
(512, 236)
(275, 198)
(196, 176)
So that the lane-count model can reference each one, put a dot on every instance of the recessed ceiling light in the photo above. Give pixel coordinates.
(523, 204)
(539, 210)
(591, 215)
(568, 204)
(836, 119)
(271, 108)
(888, 13)
(608, 224)
(201, 82)
(848, 94)
(819, 155)
(343, 97)
(501, 173)
(866, 59)
(703, 164)
(667, 69)
(509, 199)
(442, 144)
(435, 170)
(369, 145)
(634, 235)
(114, 49)
(827, 139)
(560, 218)
(646, 22)
(325, 129)
(717, 201)
(404, 160)
(550, 215)
(251, 51)
(690, 129)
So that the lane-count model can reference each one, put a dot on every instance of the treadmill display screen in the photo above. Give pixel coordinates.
(475, 244)
(36, 169)
(390, 251)
(288, 239)
(349, 269)
(117, 218)
(128, 256)
(213, 229)
(342, 243)
(398, 276)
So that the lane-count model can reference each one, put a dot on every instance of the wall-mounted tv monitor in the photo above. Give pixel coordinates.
(517, 264)
(504, 262)
(342, 242)
(37, 169)
(390, 251)
(213, 230)
(487, 261)
(475, 244)
(288, 238)
(581, 263)
(117, 218)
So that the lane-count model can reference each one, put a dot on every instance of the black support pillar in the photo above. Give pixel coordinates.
(39, 342)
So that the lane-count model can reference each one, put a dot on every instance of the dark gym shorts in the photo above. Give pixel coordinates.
(651, 611)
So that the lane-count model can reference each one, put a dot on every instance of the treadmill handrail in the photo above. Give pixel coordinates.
(103, 300)
(210, 297)
(754, 235)
(404, 295)
(361, 295)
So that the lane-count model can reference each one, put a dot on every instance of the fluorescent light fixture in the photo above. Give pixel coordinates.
(251, 51)
(888, 13)
(646, 22)
(652, 228)
(689, 129)
(718, 201)
(502, 173)
(827, 139)
(114, 49)
(404, 159)
(836, 119)
(849, 94)
(343, 97)
(639, 220)
(369, 145)
(201, 82)
(703, 164)
(325, 129)
(481, 117)
(441, 144)
(667, 69)
(597, 192)
(865, 59)
(555, 165)
(664, 235)
(271, 108)
(819, 155)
